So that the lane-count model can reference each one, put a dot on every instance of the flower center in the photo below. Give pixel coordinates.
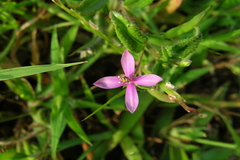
(124, 79)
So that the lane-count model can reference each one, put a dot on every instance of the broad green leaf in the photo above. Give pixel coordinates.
(13, 155)
(137, 134)
(130, 150)
(163, 120)
(18, 72)
(216, 153)
(73, 124)
(137, 3)
(130, 36)
(90, 7)
(73, 2)
(22, 88)
(188, 26)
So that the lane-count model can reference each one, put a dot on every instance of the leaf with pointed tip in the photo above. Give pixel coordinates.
(130, 36)
(188, 26)
(137, 3)
(18, 72)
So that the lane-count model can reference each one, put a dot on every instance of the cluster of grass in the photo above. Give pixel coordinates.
(48, 111)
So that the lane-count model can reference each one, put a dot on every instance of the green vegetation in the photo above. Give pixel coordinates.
(51, 53)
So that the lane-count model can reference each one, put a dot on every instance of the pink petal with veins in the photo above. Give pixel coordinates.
(131, 97)
(128, 64)
(147, 80)
(108, 82)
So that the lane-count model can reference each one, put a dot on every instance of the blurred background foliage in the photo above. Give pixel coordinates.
(194, 45)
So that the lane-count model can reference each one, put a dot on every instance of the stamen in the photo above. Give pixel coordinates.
(124, 79)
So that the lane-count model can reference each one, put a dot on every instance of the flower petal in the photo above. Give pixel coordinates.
(108, 82)
(128, 64)
(147, 80)
(131, 97)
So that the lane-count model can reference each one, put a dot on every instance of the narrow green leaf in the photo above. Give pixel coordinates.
(57, 55)
(177, 153)
(68, 39)
(190, 76)
(158, 40)
(219, 45)
(61, 91)
(57, 123)
(59, 79)
(232, 131)
(6, 50)
(89, 96)
(188, 26)
(226, 36)
(186, 146)
(18, 72)
(104, 105)
(73, 142)
(160, 96)
(73, 124)
(145, 154)
(89, 150)
(137, 3)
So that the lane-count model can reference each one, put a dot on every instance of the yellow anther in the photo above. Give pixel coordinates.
(124, 79)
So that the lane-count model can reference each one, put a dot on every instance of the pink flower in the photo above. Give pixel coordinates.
(128, 66)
